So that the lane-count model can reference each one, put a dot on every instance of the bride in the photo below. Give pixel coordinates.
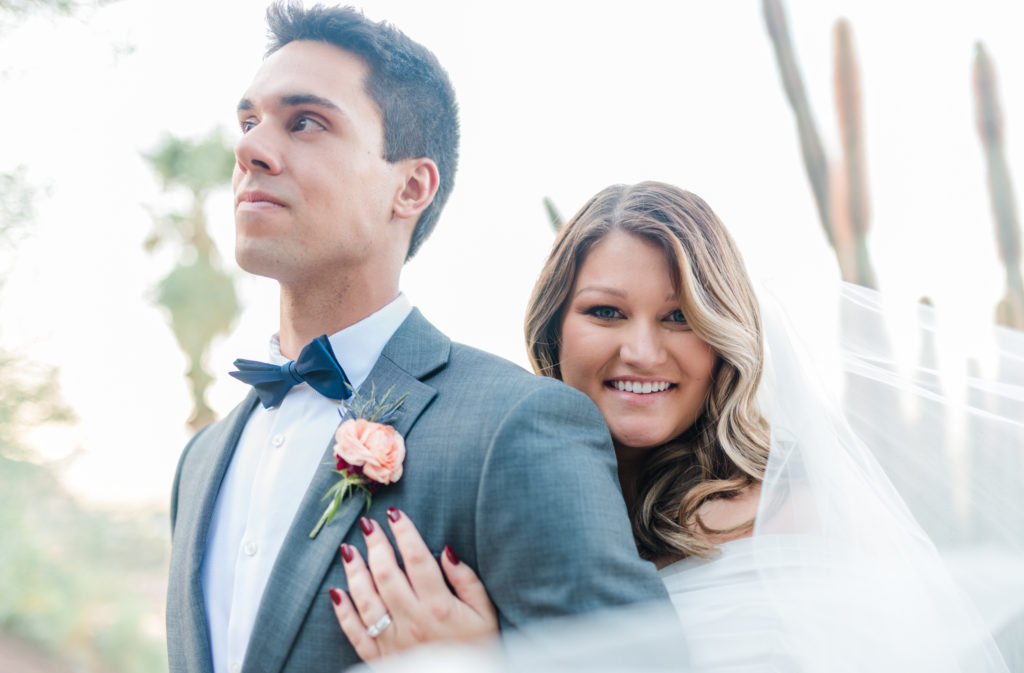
(782, 542)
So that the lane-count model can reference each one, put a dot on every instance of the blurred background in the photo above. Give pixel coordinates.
(874, 141)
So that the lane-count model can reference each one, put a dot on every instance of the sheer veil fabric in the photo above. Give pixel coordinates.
(888, 535)
(890, 531)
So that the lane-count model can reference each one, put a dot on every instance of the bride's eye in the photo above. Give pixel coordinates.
(603, 312)
(676, 316)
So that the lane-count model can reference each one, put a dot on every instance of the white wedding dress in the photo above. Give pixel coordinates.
(753, 609)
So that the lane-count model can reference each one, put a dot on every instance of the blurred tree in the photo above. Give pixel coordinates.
(18, 8)
(13, 12)
(989, 122)
(15, 204)
(85, 585)
(29, 396)
(555, 218)
(63, 568)
(198, 293)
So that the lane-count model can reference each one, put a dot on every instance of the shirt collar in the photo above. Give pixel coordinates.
(358, 346)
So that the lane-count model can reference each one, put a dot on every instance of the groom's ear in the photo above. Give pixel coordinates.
(419, 188)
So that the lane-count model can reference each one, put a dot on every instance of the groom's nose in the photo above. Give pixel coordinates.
(256, 151)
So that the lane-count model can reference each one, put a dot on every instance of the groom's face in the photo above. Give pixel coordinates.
(312, 189)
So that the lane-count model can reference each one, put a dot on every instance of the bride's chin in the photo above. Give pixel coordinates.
(636, 441)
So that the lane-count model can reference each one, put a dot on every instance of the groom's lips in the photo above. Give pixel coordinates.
(256, 199)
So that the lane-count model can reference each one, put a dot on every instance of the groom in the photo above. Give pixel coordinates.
(347, 155)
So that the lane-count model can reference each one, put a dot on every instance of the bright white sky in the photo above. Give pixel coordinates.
(557, 98)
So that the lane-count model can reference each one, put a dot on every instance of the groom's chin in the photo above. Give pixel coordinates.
(251, 259)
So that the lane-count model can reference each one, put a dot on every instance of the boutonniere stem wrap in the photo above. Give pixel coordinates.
(368, 451)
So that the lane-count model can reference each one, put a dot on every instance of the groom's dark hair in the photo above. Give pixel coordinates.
(412, 90)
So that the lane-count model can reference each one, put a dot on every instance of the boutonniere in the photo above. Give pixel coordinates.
(369, 451)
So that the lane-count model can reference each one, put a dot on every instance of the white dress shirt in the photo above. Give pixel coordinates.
(279, 451)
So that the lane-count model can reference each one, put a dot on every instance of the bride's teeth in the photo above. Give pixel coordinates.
(641, 388)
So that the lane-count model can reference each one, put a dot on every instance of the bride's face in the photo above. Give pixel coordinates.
(626, 344)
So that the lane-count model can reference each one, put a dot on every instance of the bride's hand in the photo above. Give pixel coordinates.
(422, 608)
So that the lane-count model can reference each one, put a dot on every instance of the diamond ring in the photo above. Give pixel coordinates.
(378, 626)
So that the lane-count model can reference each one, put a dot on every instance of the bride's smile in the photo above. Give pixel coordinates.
(627, 345)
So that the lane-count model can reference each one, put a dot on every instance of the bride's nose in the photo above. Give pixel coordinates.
(642, 346)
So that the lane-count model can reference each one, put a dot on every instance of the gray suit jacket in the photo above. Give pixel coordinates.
(515, 471)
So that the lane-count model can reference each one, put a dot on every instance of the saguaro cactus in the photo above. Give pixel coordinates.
(840, 192)
(989, 122)
(854, 213)
(810, 140)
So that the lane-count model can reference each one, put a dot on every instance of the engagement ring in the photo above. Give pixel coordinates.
(379, 626)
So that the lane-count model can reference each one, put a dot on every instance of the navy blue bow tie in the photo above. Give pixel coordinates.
(316, 365)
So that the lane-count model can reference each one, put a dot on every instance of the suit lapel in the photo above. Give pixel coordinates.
(202, 487)
(413, 352)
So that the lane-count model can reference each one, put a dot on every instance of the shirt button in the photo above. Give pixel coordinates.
(250, 548)
(277, 441)
(236, 667)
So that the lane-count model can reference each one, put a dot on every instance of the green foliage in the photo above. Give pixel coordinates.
(85, 585)
(198, 165)
(29, 398)
(14, 11)
(196, 321)
(16, 205)
(79, 582)
(23, 7)
(555, 218)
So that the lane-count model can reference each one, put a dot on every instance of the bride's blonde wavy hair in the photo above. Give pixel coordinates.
(726, 449)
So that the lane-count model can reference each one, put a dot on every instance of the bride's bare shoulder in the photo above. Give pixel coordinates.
(734, 514)
(727, 514)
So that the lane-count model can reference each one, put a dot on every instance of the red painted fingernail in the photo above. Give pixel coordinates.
(335, 596)
(346, 553)
(366, 525)
(394, 514)
(450, 553)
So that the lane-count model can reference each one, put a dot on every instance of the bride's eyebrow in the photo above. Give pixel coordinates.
(606, 289)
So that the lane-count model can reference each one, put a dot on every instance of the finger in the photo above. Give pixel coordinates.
(353, 626)
(420, 565)
(468, 586)
(361, 587)
(392, 585)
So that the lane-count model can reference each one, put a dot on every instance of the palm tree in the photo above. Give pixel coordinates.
(198, 293)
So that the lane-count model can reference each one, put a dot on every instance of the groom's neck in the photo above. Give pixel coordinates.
(309, 311)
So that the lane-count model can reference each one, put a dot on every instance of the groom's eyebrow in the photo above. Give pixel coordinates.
(295, 100)
(299, 99)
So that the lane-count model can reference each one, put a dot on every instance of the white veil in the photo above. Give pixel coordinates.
(890, 532)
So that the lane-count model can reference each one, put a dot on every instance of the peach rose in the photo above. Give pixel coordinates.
(378, 448)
